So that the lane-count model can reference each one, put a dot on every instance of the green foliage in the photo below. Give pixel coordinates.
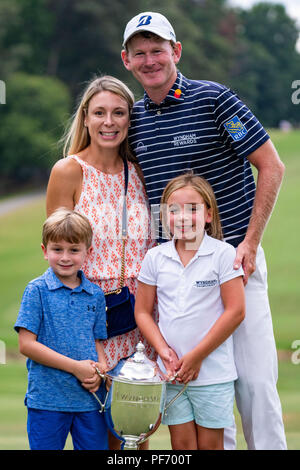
(25, 30)
(71, 41)
(11, 53)
(208, 53)
(267, 62)
(31, 124)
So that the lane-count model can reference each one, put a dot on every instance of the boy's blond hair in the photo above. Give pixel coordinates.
(205, 190)
(68, 225)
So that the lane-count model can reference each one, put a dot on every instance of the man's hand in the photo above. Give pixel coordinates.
(246, 257)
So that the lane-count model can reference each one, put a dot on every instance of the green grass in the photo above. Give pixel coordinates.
(13, 412)
(281, 245)
(21, 260)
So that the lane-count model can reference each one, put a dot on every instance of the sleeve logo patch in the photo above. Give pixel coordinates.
(235, 128)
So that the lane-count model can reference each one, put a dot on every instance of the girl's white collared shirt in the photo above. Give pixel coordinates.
(189, 301)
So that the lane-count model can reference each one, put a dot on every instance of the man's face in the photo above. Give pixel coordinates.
(152, 61)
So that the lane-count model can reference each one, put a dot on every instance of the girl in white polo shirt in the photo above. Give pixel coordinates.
(201, 302)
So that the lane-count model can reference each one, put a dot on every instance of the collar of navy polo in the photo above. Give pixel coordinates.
(54, 283)
(174, 96)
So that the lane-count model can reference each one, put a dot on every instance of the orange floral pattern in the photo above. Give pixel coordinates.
(101, 202)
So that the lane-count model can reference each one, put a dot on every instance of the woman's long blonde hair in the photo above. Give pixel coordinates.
(205, 190)
(77, 136)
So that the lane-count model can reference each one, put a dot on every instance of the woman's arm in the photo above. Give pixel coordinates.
(144, 304)
(233, 297)
(38, 352)
(64, 185)
(101, 356)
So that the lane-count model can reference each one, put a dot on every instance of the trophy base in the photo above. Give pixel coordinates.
(131, 442)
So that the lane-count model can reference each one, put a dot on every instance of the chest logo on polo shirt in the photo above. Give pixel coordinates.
(210, 283)
(235, 128)
(184, 139)
(140, 147)
(91, 308)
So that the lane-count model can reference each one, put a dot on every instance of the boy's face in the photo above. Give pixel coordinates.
(65, 259)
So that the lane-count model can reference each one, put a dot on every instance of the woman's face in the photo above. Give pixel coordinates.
(107, 119)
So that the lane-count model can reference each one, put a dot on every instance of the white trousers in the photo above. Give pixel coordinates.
(256, 361)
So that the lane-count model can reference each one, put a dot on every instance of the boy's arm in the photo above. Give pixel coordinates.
(92, 384)
(38, 352)
(233, 297)
(144, 304)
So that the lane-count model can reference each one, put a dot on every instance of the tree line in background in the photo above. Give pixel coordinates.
(50, 48)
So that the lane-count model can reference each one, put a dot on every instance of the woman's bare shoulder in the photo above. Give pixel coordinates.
(64, 184)
(67, 168)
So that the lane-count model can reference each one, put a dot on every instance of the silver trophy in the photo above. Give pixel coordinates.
(138, 399)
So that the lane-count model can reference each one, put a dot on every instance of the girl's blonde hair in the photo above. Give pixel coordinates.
(70, 226)
(77, 136)
(205, 190)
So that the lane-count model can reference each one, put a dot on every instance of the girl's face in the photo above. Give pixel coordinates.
(187, 214)
(107, 119)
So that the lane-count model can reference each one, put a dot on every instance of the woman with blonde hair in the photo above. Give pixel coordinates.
(91, 180)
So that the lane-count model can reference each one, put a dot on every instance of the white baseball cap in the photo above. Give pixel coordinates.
(149, 21)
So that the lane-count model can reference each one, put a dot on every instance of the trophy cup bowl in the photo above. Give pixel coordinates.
(138, 399)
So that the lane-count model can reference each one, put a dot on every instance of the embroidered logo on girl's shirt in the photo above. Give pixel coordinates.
(210, 283)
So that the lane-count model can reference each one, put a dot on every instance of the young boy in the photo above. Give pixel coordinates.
(60, 324)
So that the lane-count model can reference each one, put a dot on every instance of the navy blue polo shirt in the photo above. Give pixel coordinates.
(205, 128)
(67, 321)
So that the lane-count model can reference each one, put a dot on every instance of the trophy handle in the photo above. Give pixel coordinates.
(176, 396)
(144, 437)
(107, 385)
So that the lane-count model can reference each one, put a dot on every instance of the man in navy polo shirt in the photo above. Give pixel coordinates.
(182, 125)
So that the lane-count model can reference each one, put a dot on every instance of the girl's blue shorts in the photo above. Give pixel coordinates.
(210, 406)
